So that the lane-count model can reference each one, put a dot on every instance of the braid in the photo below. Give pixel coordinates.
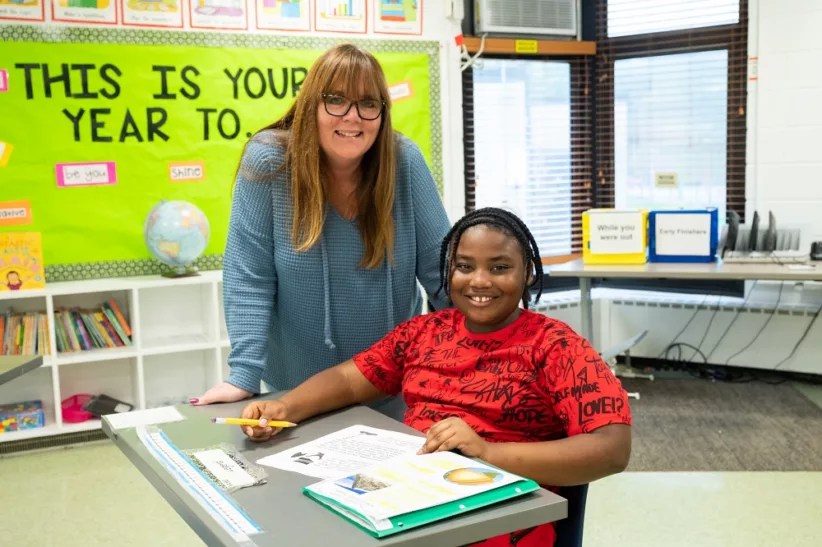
(503, 220)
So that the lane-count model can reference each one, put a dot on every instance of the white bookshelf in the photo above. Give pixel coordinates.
(180, 346)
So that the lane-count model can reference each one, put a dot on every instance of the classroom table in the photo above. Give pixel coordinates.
(676, 270)
(291, 518)
(14, 366)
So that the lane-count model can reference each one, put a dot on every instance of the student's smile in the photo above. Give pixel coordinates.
(488, 278)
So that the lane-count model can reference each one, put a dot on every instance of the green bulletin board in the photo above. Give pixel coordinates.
(99, 125)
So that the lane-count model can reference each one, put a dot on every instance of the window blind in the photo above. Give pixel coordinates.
(670, 99)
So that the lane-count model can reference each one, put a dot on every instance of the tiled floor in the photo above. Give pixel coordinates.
(91, 495)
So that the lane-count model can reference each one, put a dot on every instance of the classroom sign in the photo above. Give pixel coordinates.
(101, 125)
(614, 236)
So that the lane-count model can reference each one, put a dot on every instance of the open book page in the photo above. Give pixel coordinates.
(347, 450)
(409, 483)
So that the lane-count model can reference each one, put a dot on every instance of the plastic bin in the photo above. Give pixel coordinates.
(73, 408)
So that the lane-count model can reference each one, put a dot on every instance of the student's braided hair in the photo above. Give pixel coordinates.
(506, 222)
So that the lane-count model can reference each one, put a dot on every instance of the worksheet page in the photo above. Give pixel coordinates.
(346, 450)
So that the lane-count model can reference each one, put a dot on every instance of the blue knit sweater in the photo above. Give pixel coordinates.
(291, 315)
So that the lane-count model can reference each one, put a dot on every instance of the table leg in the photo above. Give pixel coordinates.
(586, 309)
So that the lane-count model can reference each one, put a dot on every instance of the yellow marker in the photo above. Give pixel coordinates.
(262, 422)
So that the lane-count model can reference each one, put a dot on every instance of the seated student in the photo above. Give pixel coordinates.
(514, 388)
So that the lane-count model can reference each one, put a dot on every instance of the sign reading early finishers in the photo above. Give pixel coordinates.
(683, 234)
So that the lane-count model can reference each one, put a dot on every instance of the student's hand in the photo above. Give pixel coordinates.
(453, 433)
(221, 393)
(270, 410)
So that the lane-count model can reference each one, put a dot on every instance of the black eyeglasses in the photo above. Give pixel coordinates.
(337, 105)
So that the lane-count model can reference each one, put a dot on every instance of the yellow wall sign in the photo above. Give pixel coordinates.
(526, 46)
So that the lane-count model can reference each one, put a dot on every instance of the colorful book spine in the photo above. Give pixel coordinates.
(2, 331)
(44, 341)
(116, 326)
(59, 335)
(91, 327)
(112, 340)
(82, 335)
(71, 335)
(120, 316)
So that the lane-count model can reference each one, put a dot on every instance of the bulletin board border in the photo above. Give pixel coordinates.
(55, 34)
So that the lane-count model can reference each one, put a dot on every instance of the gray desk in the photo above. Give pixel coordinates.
(685, 270)
(14, 366)
(292, 519)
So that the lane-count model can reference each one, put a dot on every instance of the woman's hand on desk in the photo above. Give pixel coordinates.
(270, 410)
(221, 393)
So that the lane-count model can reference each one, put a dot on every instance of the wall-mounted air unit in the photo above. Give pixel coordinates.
(531, 17)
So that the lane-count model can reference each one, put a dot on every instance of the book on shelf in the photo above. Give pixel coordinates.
(23, 333)
(85, 329)
(63, 320)
(21, 262)
(82, 335)
(115, 324)
(90, 325)
(412, 490)
(107, 331)
(112, 304)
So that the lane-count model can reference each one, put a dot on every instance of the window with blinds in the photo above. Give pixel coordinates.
(527, 145)
(670, 100)
(663, 100)
(670, 104)
(630, 17)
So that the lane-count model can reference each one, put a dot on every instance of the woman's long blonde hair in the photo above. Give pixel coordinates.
(342, 68)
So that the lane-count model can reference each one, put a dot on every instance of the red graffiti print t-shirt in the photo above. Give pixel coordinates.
(534, 380)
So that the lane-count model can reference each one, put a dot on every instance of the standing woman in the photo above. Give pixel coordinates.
(335, 217)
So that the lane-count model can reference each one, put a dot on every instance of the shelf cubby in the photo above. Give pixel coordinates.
(176, 315)
(179, 339)
(174, 378)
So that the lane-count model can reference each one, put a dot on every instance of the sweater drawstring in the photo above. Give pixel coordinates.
(389, 294)
(326, 297)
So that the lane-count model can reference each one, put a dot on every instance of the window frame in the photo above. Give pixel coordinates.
(733, 38)
(592, 124)
(581, 153)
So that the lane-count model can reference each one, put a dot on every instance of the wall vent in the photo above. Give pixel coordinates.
(531, 17)
(51, 441)
(797, 310)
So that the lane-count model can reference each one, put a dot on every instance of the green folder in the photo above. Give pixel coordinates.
(420, 517)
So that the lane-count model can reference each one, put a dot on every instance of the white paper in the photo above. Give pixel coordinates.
(683, 234)
(226, 469)
(149, 416)
(615, 232)
(344, 451)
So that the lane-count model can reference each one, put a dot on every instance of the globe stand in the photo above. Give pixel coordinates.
(183, 271)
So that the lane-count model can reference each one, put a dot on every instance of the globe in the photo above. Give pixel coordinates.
(176, 234)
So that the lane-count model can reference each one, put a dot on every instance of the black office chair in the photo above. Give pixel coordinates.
(569, 530)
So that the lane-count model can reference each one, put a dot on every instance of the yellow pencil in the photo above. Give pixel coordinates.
(262, 422)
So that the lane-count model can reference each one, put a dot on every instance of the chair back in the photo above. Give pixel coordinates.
(569, 530)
